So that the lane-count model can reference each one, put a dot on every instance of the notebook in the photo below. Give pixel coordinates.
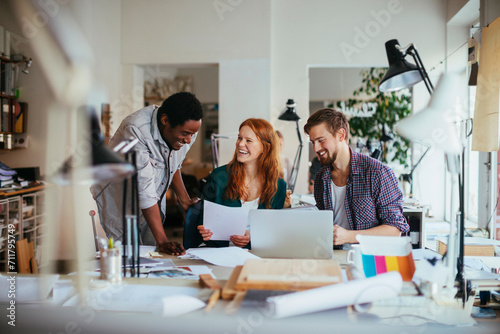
(292, 233)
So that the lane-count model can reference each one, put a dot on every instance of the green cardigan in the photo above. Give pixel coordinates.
(214, 192)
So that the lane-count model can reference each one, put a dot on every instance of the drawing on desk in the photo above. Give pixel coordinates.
(174, 273)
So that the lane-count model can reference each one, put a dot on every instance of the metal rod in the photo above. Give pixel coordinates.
(413, 169)
(296, 161)
(124, 228)
(461, 232)
(92, 214)
(135, 211)
(421, 68)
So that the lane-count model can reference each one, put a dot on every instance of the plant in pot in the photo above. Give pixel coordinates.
(379, 127)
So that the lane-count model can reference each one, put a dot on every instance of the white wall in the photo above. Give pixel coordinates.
(193, 32)
(244, 93)
(293, 34)
(283, 39)
(328, 84)
(339, 33)
(205, 81)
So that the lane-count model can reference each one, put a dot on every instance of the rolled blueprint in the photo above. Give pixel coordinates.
(360, 291)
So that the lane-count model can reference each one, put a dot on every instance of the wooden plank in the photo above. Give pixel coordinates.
(234, 306)
(288, 274)
(207, 281)
(229, 291)
(470, 250)
(23, 257)
(33, 263)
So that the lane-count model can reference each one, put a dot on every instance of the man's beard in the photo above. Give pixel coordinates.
(327, 160)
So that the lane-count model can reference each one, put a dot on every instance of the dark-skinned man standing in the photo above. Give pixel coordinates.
(165, 135)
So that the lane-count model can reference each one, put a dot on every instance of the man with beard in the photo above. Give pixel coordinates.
(362, 192)
(165, 135)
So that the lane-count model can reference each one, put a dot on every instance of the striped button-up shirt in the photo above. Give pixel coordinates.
(156, 166)
(372, 194)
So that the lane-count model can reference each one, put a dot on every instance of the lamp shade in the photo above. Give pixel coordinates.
(289, 114)
(401, 74)
(435, 125)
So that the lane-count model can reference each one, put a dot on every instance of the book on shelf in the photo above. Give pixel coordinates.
(6, 170)
(6, 183)
(20, 114)
(9, 76)
(6, 177)
(2, 43)
(2, 77)
(5, 118)
(472, 246)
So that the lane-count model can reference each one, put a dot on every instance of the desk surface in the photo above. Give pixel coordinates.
(85, 319)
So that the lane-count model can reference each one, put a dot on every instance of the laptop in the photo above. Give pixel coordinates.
(292, 233)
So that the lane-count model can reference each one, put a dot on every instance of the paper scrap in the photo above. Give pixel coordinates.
(224, 221)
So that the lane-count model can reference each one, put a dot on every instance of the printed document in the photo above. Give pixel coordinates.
(224, 221)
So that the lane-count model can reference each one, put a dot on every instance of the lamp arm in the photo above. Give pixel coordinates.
(419, 160)
(295, 167)
(215, 153)
(461, 232)
(412, 51)
(298, 133)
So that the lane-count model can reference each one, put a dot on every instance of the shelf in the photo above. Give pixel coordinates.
(8, 60)
(8, 96)
(11, 192)
(30, 201)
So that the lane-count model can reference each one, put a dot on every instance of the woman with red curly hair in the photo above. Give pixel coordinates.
(253, 179)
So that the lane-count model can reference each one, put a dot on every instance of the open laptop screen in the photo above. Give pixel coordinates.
(292, 233)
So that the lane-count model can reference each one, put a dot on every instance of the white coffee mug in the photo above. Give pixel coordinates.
(354, 257)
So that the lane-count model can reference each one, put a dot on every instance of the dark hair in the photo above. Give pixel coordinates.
(179, 108)
(333, 119)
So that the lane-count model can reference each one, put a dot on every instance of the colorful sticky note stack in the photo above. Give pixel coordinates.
(378, 264)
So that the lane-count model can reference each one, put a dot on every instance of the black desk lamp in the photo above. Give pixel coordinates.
(291, 115)
(402, 74)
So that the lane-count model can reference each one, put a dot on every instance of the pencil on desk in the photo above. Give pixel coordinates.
(212, 300)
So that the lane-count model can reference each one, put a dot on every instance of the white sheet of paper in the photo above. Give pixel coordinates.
(224, 221)
(131, 297)
(27, 288)
(223, 256)
(177, 305)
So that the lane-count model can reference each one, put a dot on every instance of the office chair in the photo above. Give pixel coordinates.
(191, 237)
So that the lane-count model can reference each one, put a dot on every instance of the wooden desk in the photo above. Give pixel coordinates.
(222, 273)
(57, 319)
